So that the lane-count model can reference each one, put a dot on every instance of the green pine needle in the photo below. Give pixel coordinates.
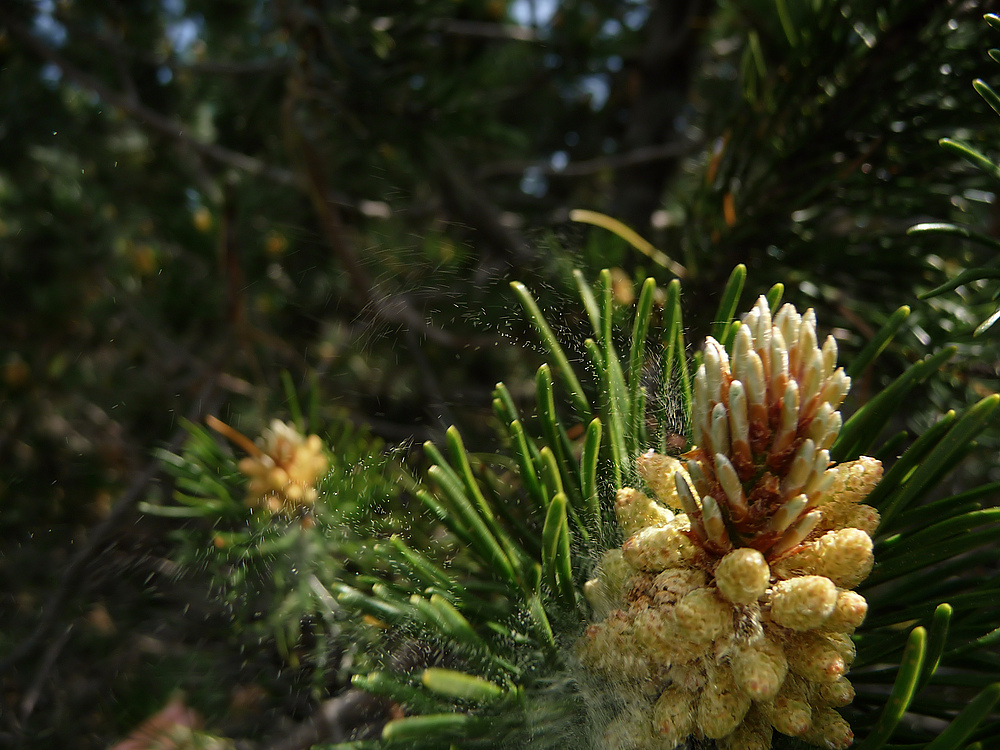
(902, 693)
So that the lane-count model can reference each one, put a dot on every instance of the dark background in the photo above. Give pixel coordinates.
(198, 196)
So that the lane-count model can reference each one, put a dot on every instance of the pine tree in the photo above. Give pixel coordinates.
(310, 212)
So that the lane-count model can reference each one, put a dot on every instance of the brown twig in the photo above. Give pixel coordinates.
(34, 692)
(485, 30)
(476, 208)
(585, 167)
(235, 435)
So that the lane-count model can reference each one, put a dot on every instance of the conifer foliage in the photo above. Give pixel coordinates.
(260, 487)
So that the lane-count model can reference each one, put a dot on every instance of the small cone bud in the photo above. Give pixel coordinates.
(753, 734)
(811, 378)
(845, 556)
(756, 385)
(787, 321)
(836, 388)
(832, 431)
(658, 472)
(803, 603)
(630, 730)
(843, 644)
(743, 575)
(814, 657)
(837, 694)
(657, 548)
(700, 407)
(702, 616)
(739, 430)
(765, 324)
(722, 705)
(670, 586)
(662, 641)
(673, 718)
(605, 592)
(791, 716)
(820, 422)
(787, 427)
(634, 511)
(841, 515)
(856, 479)
(698, 481)
(829, 730)
(284, 471)
(848, 613)
(829, 355)
(760, 669)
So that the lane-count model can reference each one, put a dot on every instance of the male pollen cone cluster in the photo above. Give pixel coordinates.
(732, 619)
(284, 469)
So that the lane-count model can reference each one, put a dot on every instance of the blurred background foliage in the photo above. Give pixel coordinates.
(196, 196)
